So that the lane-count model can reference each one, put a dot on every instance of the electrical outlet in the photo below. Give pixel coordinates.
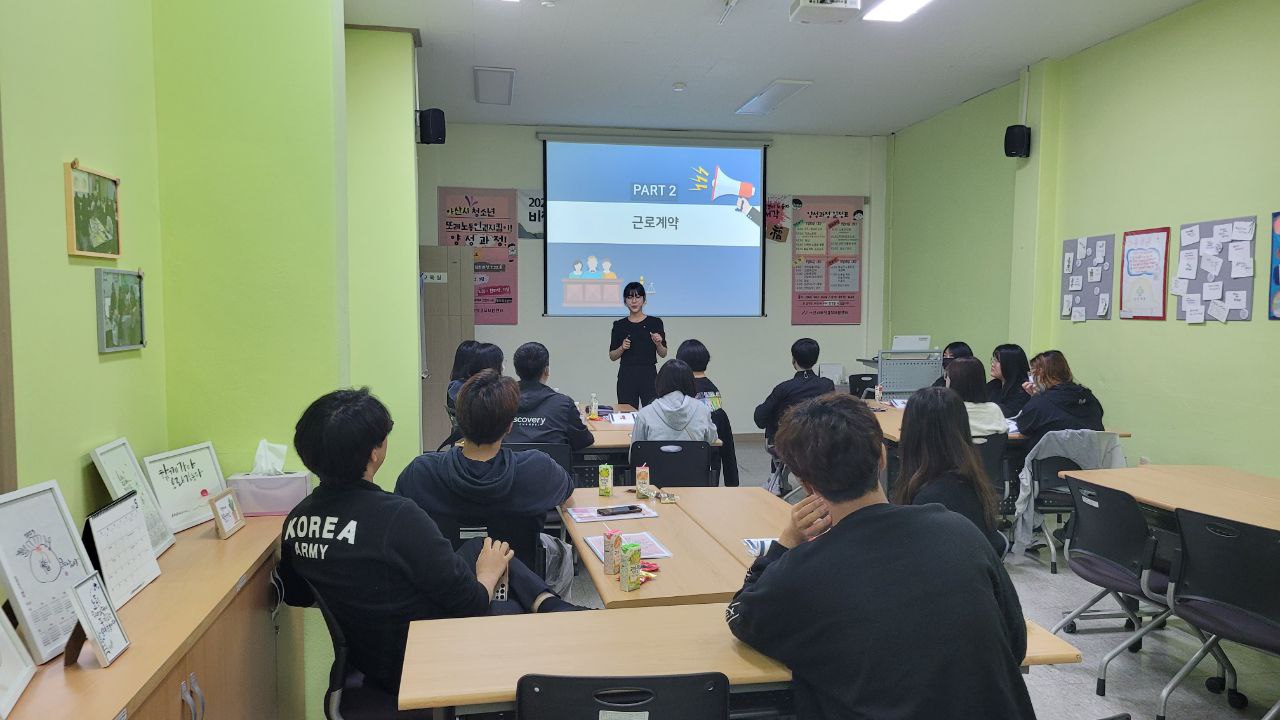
(1144, 460)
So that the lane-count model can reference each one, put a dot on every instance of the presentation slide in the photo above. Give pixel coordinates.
(684, 221)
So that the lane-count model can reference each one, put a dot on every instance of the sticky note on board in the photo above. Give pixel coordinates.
(1212, 264)
(1067, 260)
(1104, 304)
(1242, 268)
(1095, 273)
(1178, 286)
(1190, 300)
(1218, 310)
(1242, 230)
(1238, 251)
(1210, 246)
(1078, 314)
(1195, 316)
(1188, 264)
(1211, 291)
(1236, 299)
(1190, 235)
(1077, 282)
(1222, 232)
(1066, 305)
(1082, 247)
(1099, 252)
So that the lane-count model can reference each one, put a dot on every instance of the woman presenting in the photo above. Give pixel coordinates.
(638, 341)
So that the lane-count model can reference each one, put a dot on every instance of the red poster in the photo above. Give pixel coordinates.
(485, 220)
(826, 260)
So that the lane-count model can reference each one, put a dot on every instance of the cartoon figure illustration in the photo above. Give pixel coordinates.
(857, 216)
(577, 269)
(593, 268)
(608, 270)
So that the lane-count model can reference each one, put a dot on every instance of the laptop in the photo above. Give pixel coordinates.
(910, 342)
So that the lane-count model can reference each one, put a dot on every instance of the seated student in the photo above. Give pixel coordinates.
(1057, 401)
(677, 414)
(461, 364)
(965, 376)
(879, 610)
(953, 350)
(940, 464)
(377, 559)
(480, 478)
(1008, 373)
(697, 357)
(544, 415)
(806, 384)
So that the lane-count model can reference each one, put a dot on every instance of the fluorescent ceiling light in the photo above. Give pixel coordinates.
(771, 97)
(894, 10)
(493, 85)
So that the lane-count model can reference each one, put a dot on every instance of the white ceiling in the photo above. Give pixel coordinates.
(613, 62)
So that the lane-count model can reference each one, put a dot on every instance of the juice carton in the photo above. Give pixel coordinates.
(612, 551)
(606, 481)
(629, 567)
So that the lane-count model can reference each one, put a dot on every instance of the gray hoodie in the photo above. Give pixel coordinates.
(674, 416)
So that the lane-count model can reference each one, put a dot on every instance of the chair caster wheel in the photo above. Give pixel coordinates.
(1102, 687)
(1215, 685)
(1070, 628)
(1053, 568)
(1237, 700)
(1136, 646)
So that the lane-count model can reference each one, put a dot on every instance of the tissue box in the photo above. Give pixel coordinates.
(270, 494)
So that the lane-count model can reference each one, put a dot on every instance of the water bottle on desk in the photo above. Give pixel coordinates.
(595, 405)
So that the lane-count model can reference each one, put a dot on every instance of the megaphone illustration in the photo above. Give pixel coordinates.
(724, 185)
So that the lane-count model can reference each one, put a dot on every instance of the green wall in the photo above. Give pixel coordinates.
(77, 82)
(950, 224)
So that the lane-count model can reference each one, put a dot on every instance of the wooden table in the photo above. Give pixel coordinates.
(698, 571)
(890, 419)
(1226, 493)
(610, 436)
(732, 514)
(453, 663)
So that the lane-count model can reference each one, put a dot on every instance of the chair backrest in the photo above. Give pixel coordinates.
(1109, 524)
(1229, 562)
(859, 384)
(703, 696)
(559, 452)
(520, 531)
(1045, 471)
(991, 452)
(674, 463)
(338, 670)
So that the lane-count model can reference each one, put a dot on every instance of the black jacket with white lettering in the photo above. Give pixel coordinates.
(379, 562)
(546, 416)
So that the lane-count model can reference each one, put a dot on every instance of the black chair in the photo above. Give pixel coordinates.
(703, 696)
(1225, 581)
(860, 384)
(990, 450)
(348, 697)
(1052, 496)
(521, 532)
(450, 441)
(1111, 546)
(674, 463)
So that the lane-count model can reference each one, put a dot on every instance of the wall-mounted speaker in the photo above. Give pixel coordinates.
(431, 127)
(1017, 141)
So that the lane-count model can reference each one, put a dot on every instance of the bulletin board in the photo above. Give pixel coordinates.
(1215, 270)
(485, 220)
(826, 259)
(1088, 275)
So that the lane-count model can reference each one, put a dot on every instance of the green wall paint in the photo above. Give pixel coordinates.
(951, 214)
(382, 231)
(76, 78)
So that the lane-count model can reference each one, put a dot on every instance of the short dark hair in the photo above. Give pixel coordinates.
(338, 432)
(486, 406)
(958, 349)
(967, 377)
(485, 356)
(694, 354)
(531, 360)
(462, 359)
(833, 443)
(675, 375)
(633, 288)
(805, 352)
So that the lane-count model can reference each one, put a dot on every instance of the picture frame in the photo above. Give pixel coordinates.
(228, 516)
(120, 471)
(41, 559)
(1144, 272)
(183, 481)
(98, 619)
(93, 212)
(121, 317)
(16, 667)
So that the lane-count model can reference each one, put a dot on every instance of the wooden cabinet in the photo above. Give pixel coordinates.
(232, 668)
(165, 702)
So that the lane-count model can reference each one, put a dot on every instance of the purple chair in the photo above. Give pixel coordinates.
(1225, 582)
(1111, 546)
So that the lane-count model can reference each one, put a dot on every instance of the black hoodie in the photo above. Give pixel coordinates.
(450, 484)
(546, 416)
(1065, 406)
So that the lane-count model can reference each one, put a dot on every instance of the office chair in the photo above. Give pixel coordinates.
(860, 384)
(674, 463)
(563, 456)
(1051, 497)
(702, 696)
(521, 532)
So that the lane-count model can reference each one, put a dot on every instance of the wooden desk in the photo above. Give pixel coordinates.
(698, 571)
(1226, 493)
(207, 615)
(610, 436)
(891, 423)
(731, 514)
(452, 663)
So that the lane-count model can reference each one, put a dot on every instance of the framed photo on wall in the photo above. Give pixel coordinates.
(93, 212)
(121, 323)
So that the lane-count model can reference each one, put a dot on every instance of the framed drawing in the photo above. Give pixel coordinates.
(183, 481)
(120, 317)
(101, 626)
(93, 212)
(41, 560)
(227, 515)
(16, 667)
(119, 469)
(1143, 269)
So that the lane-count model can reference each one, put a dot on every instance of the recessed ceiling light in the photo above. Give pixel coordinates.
(493, 85)
(679, 87)
(768, 99)
(548, 3)
(894, 10)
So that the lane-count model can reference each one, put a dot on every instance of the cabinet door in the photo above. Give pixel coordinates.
(234, 662)
(165, 702)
